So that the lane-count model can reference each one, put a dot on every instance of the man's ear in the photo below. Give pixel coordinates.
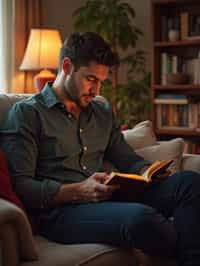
(67, 65)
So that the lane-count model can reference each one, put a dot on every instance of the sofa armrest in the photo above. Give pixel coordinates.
(14, 220)
(191, 162)
(9, 246)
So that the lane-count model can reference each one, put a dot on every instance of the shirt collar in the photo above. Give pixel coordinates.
(49, 97)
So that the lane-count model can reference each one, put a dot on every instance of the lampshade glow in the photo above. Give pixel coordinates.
(42, 50)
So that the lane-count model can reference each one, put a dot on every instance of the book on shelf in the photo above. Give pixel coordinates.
(184, 21)
(191, 147)
(173, 116)
(172, 64)
(190, 26)
(169, 23)
(170, 101)
(131, 185)
(176, 117)
(194, 25)
(192, 67)
(164, 32)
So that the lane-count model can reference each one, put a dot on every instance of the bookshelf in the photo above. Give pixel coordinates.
(176, 70)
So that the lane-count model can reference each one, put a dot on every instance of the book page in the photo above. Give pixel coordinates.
(156, 168)
(126, 176)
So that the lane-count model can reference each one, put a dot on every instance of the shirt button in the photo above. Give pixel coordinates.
(81, 130)
(84, 167)
(85, 148)
(69, 115)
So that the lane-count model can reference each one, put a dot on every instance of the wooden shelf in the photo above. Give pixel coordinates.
(166, 2)
(177, 87)
(178, 132)
(178, 43)
(170, 57)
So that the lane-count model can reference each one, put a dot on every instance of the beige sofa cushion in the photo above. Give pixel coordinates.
(191, 162)
(172, 149)
(143, 140)
(54, 254)
(140, 136)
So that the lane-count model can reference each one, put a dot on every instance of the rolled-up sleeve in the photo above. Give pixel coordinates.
(19, 136)
(121, 155)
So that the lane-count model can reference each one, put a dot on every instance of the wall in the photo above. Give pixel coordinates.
(58, 14)
(142, 10)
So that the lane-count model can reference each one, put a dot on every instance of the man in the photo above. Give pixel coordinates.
(56, 142)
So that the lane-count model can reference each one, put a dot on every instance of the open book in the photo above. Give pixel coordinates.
(133, 184)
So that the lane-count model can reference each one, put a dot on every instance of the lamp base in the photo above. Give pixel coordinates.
(43, 77)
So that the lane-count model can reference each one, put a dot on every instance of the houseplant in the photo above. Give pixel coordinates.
(114, 21)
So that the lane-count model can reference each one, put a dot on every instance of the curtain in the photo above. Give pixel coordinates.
(28, 14)
(6, 44)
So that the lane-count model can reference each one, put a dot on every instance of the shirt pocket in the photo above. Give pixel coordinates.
(59, 146)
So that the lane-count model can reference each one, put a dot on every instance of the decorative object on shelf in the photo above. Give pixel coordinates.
(173, 35)
(177, 78)
(42, 54)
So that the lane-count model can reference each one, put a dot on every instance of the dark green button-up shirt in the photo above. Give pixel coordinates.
(47, 146)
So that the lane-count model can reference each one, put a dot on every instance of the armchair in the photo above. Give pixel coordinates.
(20, 247)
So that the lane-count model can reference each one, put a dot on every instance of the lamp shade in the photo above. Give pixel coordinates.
(42, 50)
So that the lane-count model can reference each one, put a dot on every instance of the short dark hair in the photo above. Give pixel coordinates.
(82, 48)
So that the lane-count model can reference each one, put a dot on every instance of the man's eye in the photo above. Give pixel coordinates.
(90, 79)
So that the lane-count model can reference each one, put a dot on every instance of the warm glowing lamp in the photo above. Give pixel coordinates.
(42, 53)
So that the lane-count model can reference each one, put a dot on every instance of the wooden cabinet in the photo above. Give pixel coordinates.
(176, 70)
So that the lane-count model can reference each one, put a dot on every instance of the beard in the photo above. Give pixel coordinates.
(73, 93)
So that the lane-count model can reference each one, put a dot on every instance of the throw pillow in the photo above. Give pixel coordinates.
(164, 150)
(140, 136)
(6, 189)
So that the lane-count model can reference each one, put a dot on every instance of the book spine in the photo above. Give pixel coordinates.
(164, 33)
(184, 18)
(164, 68)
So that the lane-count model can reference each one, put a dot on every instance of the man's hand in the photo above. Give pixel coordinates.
(93, 189)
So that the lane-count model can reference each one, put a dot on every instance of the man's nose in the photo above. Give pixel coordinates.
(96, 87)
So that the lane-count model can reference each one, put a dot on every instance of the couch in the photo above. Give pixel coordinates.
(20, 247)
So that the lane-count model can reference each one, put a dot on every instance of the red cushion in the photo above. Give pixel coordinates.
(6, 189)
(124, 127)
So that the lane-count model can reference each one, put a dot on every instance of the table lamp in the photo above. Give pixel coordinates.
(42, 53)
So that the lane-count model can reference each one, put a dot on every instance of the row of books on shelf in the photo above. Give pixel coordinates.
(187, 24)
(191, 147)
(177, 112)
(171, 63)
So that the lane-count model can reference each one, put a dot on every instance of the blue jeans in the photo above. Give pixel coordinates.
(143, 224)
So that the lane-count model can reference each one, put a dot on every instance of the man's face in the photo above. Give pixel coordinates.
(85, 83)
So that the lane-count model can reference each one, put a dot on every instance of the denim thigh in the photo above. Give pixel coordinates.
(125, 224)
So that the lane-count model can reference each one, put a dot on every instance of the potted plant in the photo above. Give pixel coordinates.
(114, 21)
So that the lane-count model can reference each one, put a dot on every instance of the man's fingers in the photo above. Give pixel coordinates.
(101, 177)
(98, 196)
(106, 188)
